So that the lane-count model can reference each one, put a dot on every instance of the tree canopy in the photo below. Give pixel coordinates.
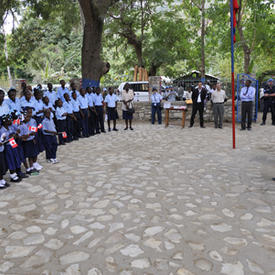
(95, 40)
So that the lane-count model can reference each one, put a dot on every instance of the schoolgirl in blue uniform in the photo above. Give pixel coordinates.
(61, 115)
(12, 155)
(50, 141)
(29, 142)
(13, 102)
(3, 169)
(92, 112)
(51, 94)
(48, 105)
(111, 101)
(39, 113)
(27, 101)
(77, 114)
(83, 102)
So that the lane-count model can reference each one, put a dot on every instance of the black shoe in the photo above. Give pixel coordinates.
(216, 127)
(103, 131)
(263, 123)
(220, 127)
(242, 129)
(190, 126)
(249, 129)
(273, 179)
(7, 184)
(3, 187)
(109, 129)
(18, 180)
(131, 129)
(115, 129)
(126, 128)
(202, 126)
(22, 175)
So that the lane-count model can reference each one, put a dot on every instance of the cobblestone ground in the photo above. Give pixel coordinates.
(152, 201)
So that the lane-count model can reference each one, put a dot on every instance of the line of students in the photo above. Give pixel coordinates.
(31, 124)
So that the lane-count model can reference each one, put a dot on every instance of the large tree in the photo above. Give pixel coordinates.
(93, 14)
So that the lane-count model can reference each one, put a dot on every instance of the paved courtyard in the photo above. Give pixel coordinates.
(152, 201)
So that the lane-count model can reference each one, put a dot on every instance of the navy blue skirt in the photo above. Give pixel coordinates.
(3, 168)
(127, 115)
(12, 156)
(112, 113)
(30, 149)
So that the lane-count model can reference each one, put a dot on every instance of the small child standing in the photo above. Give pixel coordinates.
(29, 143)
(111, 101)
(61, 116)
(50, 133)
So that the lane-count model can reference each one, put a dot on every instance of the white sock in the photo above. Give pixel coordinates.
(28, 169)
(13, 176)
(2, 183)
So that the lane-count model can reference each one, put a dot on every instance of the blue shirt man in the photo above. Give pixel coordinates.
(67, 105)
(62, 90)
(156, 98)
(247, 94)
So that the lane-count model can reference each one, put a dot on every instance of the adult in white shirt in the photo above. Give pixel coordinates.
(247, 97)
(218, 97)
(127, 105)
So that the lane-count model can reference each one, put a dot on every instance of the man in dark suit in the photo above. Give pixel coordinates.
(198, 98)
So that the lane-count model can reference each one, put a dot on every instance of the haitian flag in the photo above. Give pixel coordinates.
(235, 10)
(13, 143)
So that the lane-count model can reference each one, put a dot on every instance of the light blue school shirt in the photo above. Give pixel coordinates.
(111, 100)
(39, 105)
(25, 103)
(83, 101)
(98, 99)
(75, 105)
(61, 92)
(59, 112)
(156, 98)
(68, 107)
(52, 96)
(26, 130)
(247, 94)
(90, 100)
(48, 124)
(4, 109)
(14, 106)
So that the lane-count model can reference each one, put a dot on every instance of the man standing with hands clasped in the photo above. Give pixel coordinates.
(198, 98)
(218, 98)
(156, 99)
(269, 101)
(247, 97)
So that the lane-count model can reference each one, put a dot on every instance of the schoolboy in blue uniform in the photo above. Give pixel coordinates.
(61, 115)
(156, 99)
(77, 115)
(83, 103)
(48, 105)
(62, 90)
(98, 102)
(50, 141)
(111, 101)
(39, 113)
(92, 113)
(70, 117)
(52, 96)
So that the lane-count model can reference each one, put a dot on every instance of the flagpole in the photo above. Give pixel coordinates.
(232, 76)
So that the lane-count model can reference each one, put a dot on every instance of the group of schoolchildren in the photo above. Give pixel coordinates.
(40, 121)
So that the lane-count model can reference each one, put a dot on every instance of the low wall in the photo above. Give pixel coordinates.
(143, 111)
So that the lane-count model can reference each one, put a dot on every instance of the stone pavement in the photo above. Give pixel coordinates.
(152, 201)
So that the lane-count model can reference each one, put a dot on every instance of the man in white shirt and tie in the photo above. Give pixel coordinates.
(247, 97)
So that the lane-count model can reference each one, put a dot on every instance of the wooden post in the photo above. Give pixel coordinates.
(183, 118)
(140, 74)
(166, 117)
(135, 73)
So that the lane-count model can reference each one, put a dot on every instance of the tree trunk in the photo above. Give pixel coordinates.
(138, 50)
(243, 43)
(93, 67)
(203, 39)
(153, 70)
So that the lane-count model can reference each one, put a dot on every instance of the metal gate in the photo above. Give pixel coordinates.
(241, 78)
